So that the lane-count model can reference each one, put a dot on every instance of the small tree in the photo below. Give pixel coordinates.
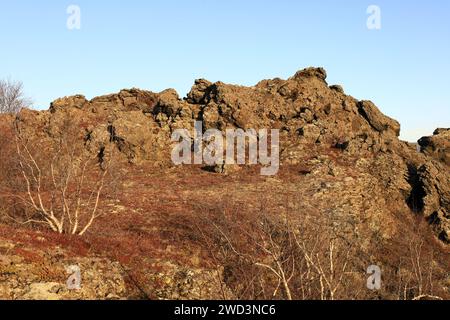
(272, 252)
(283, 255)
(62, 183)
(328, 252)
(12, 98)
(418, 273)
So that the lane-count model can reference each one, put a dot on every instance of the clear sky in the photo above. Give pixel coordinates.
(403, 67)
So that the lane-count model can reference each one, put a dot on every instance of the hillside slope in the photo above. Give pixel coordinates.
(194, 231)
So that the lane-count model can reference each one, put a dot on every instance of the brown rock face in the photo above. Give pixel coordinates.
(437, 146)
(303, 107)
(313, 118)
(163, 230)
(377, 120)
(434, 184)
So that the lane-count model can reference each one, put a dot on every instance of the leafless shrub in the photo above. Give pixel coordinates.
(329, 248)
(418, 273)
(413, 265)
(61, 183)
(12, 98)
(282, 255)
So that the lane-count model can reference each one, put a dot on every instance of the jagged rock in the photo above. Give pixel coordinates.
(434, 184)
(437, 146)
(77, 101)
(313, 119)
(198, 91)
(377, 120)
(337, 88)
(312, 72)
(125, 100)
(168, 103)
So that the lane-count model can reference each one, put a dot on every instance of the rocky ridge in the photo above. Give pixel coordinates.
(310, 114)
(338, 155)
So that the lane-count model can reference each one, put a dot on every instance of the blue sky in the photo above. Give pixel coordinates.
(156, 44)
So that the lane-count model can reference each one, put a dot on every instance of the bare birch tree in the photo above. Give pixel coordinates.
(283, 255)
(12, 98)
(327, 253)
(62, 183)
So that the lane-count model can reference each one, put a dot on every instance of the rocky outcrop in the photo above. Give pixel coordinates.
(434, 184)
(303, 107)
(31, 269)
(437, 146)
(341, 161)
(378, 120)
(313, 118)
